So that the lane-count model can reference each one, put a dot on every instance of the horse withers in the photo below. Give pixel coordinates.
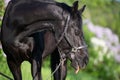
(34, 29)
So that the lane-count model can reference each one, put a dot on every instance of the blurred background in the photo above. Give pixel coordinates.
(101, 26)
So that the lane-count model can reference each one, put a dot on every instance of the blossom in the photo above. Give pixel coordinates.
(105, 39)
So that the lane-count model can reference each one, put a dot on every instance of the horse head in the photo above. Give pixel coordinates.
(73, 44)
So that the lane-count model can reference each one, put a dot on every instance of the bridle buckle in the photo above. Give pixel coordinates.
(75, 49)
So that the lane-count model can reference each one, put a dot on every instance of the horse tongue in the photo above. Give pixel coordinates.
(77, 70)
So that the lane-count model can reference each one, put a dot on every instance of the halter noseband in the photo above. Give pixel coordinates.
(75, 49)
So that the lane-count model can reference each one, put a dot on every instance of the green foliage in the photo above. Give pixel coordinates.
(105, 13)
(1, 9)
(4, 67)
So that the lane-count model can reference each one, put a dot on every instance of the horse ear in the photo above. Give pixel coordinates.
(75, 7)
(82, 9)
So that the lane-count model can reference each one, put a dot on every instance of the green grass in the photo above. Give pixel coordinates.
(46, 73)
(3, 67)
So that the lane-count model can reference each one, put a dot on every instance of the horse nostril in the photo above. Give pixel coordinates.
(86, 60)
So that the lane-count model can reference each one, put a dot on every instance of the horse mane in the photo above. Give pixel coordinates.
(64, 6)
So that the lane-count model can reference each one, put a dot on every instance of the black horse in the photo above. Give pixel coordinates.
(34, 29)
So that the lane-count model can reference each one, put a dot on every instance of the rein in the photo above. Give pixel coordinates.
(62, 59)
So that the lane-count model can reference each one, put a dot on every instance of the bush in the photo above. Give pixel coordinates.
(101, 64)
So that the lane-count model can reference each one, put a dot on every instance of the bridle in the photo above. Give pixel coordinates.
(74, 49)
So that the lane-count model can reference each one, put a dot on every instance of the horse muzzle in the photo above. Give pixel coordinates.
(79, 58)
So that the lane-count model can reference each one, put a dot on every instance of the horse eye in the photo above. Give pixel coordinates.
(77, 32)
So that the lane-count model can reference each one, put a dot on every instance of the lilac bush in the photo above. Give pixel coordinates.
(104, 52)
(104, 38)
